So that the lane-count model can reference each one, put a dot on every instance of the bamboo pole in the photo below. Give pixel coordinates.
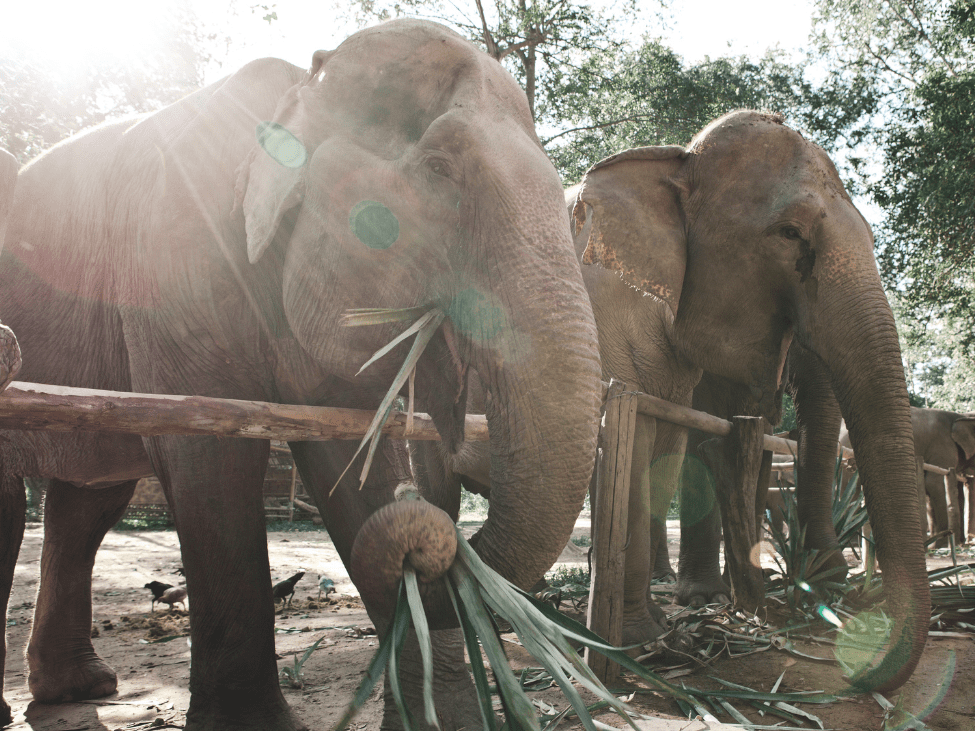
(33, 407)
(610, 512)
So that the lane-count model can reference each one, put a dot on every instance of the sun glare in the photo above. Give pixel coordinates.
(66, 33)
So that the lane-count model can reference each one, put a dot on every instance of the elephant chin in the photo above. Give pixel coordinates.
(405, 533)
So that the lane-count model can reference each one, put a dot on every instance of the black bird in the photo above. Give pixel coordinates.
(285, 590)
(158, 589)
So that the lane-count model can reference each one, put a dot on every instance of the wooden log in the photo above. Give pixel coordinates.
(306, 507)
(33, 407)
(610, 511)
(743, 455)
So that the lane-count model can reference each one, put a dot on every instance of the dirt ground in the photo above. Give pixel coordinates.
(151, 655)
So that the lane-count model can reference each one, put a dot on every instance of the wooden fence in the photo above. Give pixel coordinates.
(42, 407)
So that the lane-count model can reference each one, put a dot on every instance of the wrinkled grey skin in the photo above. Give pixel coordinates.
(10, 360)
(944, 439)
(200, 250)
(747, 240)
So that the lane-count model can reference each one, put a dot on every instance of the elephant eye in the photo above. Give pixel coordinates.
(791, 232)
(439, 166)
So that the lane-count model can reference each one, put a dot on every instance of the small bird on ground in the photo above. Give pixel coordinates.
(167, 594)
(327, 585)
(286, 589)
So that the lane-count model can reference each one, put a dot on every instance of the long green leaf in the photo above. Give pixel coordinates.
(477, 664)
(431, 322)
(423, 638)
(516, 701)
(381, 316)
(399, 630)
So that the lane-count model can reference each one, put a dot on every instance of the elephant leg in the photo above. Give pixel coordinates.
(13, 509)
(954, 507)
(453, 689)
(938, 497)
(699, 579)
(971, 510)
(62, 663)
(662, 570)
(214, 489)
(652, 488)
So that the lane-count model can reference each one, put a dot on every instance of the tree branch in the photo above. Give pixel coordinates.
(635, 118)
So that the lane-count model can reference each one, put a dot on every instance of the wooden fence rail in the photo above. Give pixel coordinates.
(32, 406)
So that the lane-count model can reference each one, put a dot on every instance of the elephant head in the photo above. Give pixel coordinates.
(751, 240)
(406, 169)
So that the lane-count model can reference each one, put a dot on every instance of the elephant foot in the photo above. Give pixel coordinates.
(230, 716)
(663, 575)
(63, 681)
(692, 593)
(456, 704)
(645, 625)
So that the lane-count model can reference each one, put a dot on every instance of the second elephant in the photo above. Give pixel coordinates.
(716, 257)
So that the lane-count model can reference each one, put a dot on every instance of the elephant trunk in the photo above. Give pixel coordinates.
(863, 357)
(543, 415)
(525, 324)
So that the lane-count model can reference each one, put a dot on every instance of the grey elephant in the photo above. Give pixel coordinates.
(716, 258)
(944, 439)
(10, 359)
(211, 248)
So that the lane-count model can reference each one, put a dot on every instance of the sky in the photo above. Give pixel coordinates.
(69, 29)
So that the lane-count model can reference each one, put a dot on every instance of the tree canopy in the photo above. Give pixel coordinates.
(917, 58)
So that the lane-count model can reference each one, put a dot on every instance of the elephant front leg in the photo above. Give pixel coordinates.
(453, 690)
(13, 508)
(214, 487)
(62, 663)
(657, 457)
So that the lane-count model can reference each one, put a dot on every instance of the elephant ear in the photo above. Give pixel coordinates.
(963, 433)
(637, 221)
(271, 179)
(8, 181)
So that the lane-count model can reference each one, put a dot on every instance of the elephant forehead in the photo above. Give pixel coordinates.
(403, 81)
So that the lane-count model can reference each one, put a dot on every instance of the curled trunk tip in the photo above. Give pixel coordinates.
(406, 531)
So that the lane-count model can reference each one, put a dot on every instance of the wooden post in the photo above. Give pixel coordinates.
(610, 510)
(743, 453)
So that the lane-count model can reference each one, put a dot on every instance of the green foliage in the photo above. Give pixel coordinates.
(648, 96)
(916, 60)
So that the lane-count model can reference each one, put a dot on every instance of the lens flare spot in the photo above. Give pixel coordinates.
(374, 224)
(804, 586)
(861, 642)
(697, 497)
(476, 316)
(281, 145)
(829, 615)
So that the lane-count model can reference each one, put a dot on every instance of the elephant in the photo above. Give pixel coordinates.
(10, 357)
(944, 439)
(716, 257)
(211, 248)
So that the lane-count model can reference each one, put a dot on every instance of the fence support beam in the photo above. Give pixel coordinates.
(610, 508)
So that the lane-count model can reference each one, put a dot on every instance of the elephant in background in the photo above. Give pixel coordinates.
(211, 248)
(10, 359)
(716, 257)
(944, 439)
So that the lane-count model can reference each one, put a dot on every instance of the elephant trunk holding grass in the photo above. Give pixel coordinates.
(212, 247)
